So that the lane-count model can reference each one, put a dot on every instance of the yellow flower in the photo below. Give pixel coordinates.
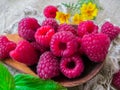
(89, 11)
(62, 17)
(77, 18)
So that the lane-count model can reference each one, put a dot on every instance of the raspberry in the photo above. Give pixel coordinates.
(96, 46)
(71, 67)
(48, 66)
(67, 27)
(38, 47)
(80, 49)
(116, 80)
(51, 22)
(25, 53)
(63, 44)
(87, 27)
(110, 30)
(5, 47)
(27, 28)
(50, 11)
(43, 35)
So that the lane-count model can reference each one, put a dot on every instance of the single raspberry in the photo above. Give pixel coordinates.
(25, 53)
(87, 27)
(63, 44)
(109, 29)
(51, 22)
(72, 67)
(38, 47)
(48, 66)
(5, 47)
(80, 48)
(116, 80)
(96, 46)
(27, 28)
(43, 35)
(67, 27)
(50, 11)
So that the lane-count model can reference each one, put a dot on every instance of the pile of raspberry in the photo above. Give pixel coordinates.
(59, 48)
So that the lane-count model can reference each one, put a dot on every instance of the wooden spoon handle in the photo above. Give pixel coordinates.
(19, 66)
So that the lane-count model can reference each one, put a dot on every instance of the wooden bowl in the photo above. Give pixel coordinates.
(91, 69)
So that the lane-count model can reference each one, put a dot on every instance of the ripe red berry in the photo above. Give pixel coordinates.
(72, 67)
(109, 29)
(48, 66)
(116, 80)
(5, 47)
(96, 46)
(25, 53)
(50, 11)
(51, 22)
(27, 28)
(63, 44)
(87, 27)
(40, 49)
(43, 35)
(67, 27)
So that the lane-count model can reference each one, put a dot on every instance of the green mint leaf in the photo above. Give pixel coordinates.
(28, 82)
(6, 79)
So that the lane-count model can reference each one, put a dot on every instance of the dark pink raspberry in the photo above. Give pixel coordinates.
(67, 27)
(43, 35)
(5, 47)
(63, 44)
(51, 22)
(38, 47)
(87, 27)
(25, 53)
(80, 49)
(109, 29)
(27, 28)
(72, 67)
(96, 46)
(48, 66)
(116, 80)
(50, 11)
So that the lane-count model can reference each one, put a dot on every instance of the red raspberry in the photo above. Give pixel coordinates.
(80, 49)
(50, 11)
(67, 27)
(38, 47)
(25, 53)
(51, 22)
(71, 67)
(63, 44)
(110, 30)
(116, 80)
(96, 46)
(48, 66)
(5, 47)
(27, 28)
(43, 35)
(87, 27)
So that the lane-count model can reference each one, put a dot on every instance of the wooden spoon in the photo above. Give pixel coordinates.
(88, 73)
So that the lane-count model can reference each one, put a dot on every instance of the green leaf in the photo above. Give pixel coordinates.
(75, 7)
(6, 79)
(28, 82)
